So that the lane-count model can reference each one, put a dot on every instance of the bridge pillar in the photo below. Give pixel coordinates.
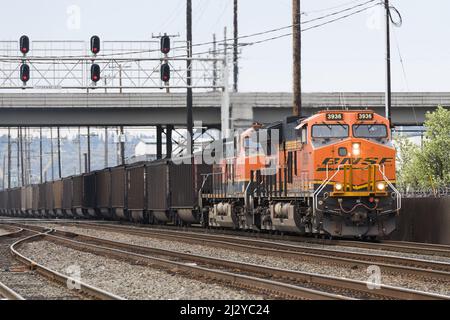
(241, 115)
(169, 129)
(159, 131)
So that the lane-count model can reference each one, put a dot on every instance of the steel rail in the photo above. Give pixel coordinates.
(426, 249)
(394, 246)
(9, 293)
(56, 276)
(5, 291)
(272, 287)
(392, 264)
(382, 291)
(302, 277)
(432, 246)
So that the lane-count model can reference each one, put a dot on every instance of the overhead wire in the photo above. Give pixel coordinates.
(332, 8)
(244, 36)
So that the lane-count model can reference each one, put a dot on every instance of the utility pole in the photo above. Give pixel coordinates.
(120, 78)
(225, 103)
(40, 154)
(296, 42)
(235, 47)
(4, 172)
(9, 157)
(214, 53)
(28, 155)
(59, 153)
(85, 162)
(189, 101)
(106, 147)
(18, 157)
(122, 146)
(51, 153)
(79, 150)
(118, 146)
(388, 64)
(88, 166)
(24, 153)
(21, 156)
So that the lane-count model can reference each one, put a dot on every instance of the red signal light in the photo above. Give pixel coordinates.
(24, 44)
(165, 72)
(95, 44)
(165, 44)
(25, 72)
(95, 72)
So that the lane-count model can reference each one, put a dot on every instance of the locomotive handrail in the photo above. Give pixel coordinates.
(205, 178)
(398, 194)
(200, 191)
(246, 195)
(322, 186)
(326, 181)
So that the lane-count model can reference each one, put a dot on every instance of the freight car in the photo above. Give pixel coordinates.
(332, 174)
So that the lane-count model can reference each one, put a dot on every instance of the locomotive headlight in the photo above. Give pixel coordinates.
(356, 149)
(381, 186)
(338, 186)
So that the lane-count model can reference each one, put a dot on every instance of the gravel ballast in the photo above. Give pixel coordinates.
(128, 280)
(4, 231)
(34, 287)
(327, 268)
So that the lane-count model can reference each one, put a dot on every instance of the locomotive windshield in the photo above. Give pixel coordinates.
(330, 131)
(369, 131)
(252, 147)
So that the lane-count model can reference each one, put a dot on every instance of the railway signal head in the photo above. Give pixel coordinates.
(95, 72)
(95, 44)
(165, 44)
(165, 72)
(24, 44)
(24, 73)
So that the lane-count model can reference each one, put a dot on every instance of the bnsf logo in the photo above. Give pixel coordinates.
(353, 161)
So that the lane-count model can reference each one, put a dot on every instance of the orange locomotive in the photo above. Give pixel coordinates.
(330, 174)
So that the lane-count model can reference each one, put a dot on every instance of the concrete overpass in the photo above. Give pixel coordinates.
(147, 109)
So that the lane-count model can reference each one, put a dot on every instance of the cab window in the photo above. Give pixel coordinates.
(328, 131)
(251, 147)
(304, 135)
(369, 131)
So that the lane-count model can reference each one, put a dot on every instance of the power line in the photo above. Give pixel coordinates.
(311, 27)
(332, 8)
(240, 37)
(338, 12)
(283, 35)
(340, 18)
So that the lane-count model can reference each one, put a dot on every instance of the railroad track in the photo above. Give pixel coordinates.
(388, 263)
(425, 249)
(7, 293)
(24, 279)
(273, 281)
(385, 245)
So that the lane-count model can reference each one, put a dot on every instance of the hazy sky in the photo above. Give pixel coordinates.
(345, 56)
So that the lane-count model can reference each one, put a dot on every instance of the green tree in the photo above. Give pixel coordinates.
(406, 162)
(428, 167)
(435, 157)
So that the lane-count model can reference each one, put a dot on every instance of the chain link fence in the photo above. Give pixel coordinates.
(425, 192)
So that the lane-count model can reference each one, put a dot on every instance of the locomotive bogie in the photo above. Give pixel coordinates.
(283, 217)
(221, 215)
